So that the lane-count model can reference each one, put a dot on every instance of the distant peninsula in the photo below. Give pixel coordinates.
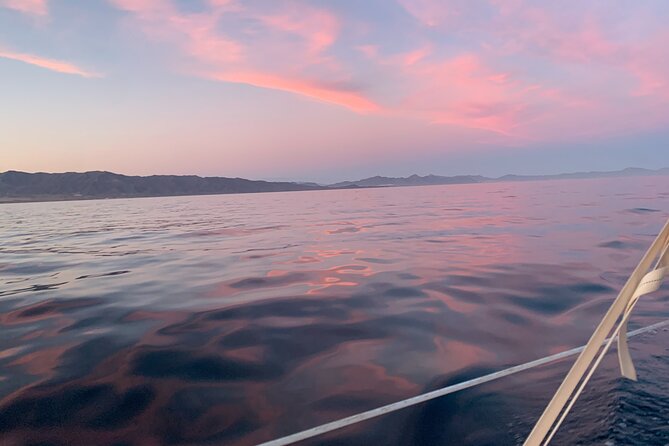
(25, 187)
(417, 180)
(22, 186)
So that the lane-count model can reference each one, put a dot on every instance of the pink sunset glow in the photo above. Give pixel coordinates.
(32, 7)
(460, 77)
(49, 64)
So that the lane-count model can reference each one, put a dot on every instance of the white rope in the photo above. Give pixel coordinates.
(354, 419)
(640, 282)
(651, 282)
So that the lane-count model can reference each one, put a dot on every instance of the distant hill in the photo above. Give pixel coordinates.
(413, 180)
(629, 172)
(416, 180)
(22, 186)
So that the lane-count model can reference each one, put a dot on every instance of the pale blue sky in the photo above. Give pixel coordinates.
(333, 90)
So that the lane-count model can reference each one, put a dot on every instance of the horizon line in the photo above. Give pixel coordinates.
(280, 180)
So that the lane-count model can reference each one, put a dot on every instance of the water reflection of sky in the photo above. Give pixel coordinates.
(236, 319)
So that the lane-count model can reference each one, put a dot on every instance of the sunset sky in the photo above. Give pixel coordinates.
(333, 90)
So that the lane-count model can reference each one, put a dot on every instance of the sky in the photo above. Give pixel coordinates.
(333, 90)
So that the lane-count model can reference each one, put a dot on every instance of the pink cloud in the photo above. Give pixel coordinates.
(464, 91)
(310, 89)
(543, 33)
(649, 68)
(274, 61)
(429, 12)
(458, 93)
(370, 51)
(584, 41)
(525, 72)
(31, 7)
(596, 64)
(416, 55)
(289, 55)
(49, 64)
(318, 28)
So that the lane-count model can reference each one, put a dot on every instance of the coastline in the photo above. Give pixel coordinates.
(508, 179)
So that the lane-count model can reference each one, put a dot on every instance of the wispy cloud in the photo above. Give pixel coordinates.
(310, 89)
(511, 68)
(317, 28)
(49, 64)
(285, 48)
(428, 12)
(464, 91)
(31, 7)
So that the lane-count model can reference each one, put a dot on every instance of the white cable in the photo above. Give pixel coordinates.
(651, 282)
(354, 419)
(583, 383)
(640, 282)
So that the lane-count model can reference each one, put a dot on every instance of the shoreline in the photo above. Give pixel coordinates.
(62, 198)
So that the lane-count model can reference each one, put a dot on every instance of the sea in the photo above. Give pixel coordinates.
(238, 319)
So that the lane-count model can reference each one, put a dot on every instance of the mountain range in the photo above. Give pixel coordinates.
(413, 180)
(417, 180)
(22, 186)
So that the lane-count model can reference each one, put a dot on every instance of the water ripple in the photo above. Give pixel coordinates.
(238, 319)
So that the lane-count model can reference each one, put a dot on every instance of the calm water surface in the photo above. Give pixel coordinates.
(236, 319)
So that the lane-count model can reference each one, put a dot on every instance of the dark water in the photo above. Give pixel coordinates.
(238, 319)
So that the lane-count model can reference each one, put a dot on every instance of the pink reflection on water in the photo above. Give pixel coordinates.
(303, 323)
